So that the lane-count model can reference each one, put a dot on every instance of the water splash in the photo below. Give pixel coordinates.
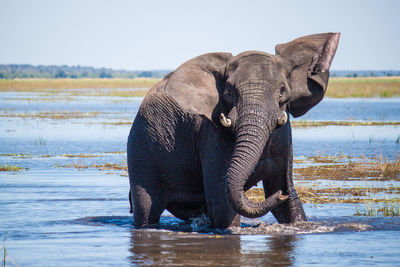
(248, 227)
(300, 228)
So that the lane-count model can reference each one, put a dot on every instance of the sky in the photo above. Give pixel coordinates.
(149, 35)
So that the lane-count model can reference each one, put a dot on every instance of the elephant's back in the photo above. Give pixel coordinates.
(164, 128)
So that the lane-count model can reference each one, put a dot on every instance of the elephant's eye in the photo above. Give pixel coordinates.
(229, 94)
(283, 94)
(282, 91)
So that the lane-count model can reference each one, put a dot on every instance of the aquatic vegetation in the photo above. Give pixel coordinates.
(55, 115)
(117, 123)
(373, 170)
(116, 152)
(18, 155)
(10, 168)
(6, 257)
(304, 124)
(101, 167)
(388, 208)
(3, 262)
(80, 156)
(313, 195)
(40, 141)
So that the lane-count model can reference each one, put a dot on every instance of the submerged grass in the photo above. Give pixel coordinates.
(389, 209)
(55, 115)
(304, 124)
(10, 168)
(80, 156)
(3, 262)
(373, 170)
(333, 195)
(102, 167)
(376, 200)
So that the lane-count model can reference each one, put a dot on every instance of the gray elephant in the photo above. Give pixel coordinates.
(217, 126)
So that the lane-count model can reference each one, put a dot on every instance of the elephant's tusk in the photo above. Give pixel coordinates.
(224, 121)
(283, 118)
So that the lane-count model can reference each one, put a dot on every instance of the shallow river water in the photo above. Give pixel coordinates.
(55, 214)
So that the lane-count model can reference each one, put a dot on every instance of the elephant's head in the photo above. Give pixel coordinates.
(250, 94)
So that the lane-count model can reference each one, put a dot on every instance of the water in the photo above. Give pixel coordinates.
(55, 215)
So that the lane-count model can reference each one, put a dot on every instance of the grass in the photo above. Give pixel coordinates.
(321, 183)
(337, 88)
(378, 209)
(40, 141)
(102, 167)
(5, 256)
(313, 195)
(80, 156)
(10, 168)
(373, 170)
(56, 115)
(29, 85)
(3, 262)
(304, 124)
(363, 87)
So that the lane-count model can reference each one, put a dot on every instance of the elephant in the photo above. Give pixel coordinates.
(217, 126)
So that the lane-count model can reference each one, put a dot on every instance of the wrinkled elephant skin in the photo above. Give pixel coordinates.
(218, 125)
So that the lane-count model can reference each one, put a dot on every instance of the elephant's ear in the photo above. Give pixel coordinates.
(309, 59)
(195, 84)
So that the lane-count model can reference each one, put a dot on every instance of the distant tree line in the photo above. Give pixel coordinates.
(12, 71)
(364, 73)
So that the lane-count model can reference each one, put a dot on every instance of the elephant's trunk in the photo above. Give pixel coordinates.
(252, 132)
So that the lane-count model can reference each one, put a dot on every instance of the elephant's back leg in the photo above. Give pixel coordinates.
(145, 188)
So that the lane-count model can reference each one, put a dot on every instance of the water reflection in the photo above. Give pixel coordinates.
(159, 248)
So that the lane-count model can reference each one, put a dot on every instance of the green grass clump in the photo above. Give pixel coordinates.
(379, 209)
(10, 168)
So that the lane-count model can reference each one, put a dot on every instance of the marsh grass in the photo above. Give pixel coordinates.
(116, 152)
(80, 156)
(56, 115)
(102, 167)
(10, 168)
(312, 195)
(343, 168)
(363, 87)
(37, 85)
(373, 170)
(17, 155)
(305, 124)
(6, 257)
(40, 141)
(337, 88)
(3, 262)
(391, 209)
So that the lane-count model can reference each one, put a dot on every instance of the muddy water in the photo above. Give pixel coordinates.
(53, 214)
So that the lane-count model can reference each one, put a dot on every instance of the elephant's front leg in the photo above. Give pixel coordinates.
(281, 178)
(215, 156)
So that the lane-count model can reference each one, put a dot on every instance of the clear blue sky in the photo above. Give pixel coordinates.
(145, 35)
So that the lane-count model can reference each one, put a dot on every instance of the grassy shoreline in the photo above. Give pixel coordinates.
(337, 88)
(363, 87)
(32, 85)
